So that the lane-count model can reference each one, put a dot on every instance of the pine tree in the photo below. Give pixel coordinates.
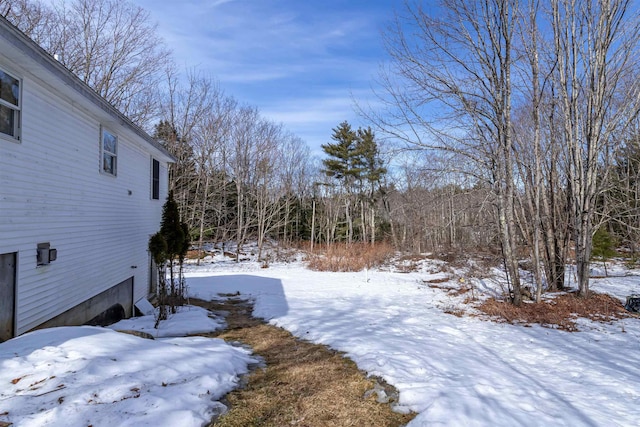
(341, 163)
(603, 247)
(372, 171)
(368, 159)
(354, 161)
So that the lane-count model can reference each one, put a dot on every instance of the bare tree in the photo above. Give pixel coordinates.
(456, 69)
(111, 45)
(267, 185)
(528, 135)
(596, 48)
(33, 18)
(210, 137)
(295, 175)
(241, 164)
(623, 193)
(185, 106)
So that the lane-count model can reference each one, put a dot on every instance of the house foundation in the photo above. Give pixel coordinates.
(121, 294)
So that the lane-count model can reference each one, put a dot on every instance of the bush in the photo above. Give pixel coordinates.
(350, 257)
(603, 245)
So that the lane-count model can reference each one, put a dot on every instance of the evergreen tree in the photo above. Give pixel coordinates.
(158, 250)
(354, 161)
(171, 242)
(603, 247)
(354, 157)
(171, 229)
(341, 163)
(372, 171)
(368, 159)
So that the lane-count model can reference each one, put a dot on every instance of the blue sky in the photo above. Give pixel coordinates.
(301, 62)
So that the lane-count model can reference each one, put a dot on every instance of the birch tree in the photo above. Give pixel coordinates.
(450, 88)
(596, 49)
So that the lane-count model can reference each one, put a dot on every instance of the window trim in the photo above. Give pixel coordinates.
(155, 180)
(17, 109)
(104, 130)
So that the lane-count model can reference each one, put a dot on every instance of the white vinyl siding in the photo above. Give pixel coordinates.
(50, 191)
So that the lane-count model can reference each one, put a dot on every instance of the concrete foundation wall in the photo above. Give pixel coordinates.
(121, 294)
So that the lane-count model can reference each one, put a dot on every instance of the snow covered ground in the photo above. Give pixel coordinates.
(452, 371)
(90, 376)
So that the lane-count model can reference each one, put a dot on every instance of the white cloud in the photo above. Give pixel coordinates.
(217, 3)
(313, 117)
(298, 62)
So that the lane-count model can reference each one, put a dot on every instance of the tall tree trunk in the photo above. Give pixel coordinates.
(313, 223)
(203, 209)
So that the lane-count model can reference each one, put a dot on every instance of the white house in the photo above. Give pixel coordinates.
(81, 191)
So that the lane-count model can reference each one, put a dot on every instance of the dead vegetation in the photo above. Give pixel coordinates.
(482, 260)
(560, 311)
(349, 257)
(433, 283)
(303, 384)
(409, 263)
(444, 283)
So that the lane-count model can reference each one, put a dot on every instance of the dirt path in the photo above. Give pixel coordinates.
(303, 384)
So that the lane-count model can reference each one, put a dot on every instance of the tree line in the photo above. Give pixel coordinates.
(510, 126)
(238, 176)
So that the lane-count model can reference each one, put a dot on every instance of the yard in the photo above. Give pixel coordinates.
(449, 362)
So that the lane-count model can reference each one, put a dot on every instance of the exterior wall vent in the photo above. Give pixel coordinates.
(45, 254)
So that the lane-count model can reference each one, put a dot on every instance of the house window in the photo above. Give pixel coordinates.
(109, 148)
(155, 179)
(9, 104)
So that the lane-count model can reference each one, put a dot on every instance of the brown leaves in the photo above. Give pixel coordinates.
(560, 311)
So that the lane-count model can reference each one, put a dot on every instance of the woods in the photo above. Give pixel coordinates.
(535, 99)
(507, 128)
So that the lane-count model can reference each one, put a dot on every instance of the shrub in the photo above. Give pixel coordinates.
(350, 257)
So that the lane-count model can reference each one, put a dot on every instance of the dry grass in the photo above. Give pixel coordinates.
(350, 257)
(196, 254)
(559, 312)
(303, 384)
(460, 257)
(413, 257)
(434, 283)
(409, 263)
(453, 290)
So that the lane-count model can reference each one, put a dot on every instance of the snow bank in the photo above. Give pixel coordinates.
(187, 320)
(80, 376)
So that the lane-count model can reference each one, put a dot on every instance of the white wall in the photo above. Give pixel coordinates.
(52, 190)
